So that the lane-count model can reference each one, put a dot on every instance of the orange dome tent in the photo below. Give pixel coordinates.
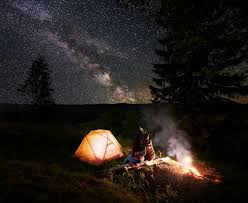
(98, 147)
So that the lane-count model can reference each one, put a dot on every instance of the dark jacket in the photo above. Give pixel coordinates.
(138, 152)
(142, 148)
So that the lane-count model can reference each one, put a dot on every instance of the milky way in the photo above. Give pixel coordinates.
(98, 51)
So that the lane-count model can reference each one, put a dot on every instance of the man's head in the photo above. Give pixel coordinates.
(145, 137)
(142, 129)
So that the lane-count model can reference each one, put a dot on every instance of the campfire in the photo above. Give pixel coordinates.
(185, 168)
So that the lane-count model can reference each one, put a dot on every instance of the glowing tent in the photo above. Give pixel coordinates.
(98, 147)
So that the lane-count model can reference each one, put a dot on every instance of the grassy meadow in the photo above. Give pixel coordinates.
(37, 163)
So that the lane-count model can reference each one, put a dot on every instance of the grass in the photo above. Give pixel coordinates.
(142, 182)
(41, 182)
(37, 164)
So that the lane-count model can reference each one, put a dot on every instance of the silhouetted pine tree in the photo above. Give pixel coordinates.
(203, 40)
(37, 87)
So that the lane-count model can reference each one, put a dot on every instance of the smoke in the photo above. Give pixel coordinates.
(178, 146)
(167, 135)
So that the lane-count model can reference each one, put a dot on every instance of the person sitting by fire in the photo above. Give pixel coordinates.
(142, 148)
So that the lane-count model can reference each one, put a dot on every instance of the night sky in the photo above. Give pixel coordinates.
(98, 51)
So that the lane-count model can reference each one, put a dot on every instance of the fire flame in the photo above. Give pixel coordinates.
(186, 166)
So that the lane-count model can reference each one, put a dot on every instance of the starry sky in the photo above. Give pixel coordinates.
(98, 51)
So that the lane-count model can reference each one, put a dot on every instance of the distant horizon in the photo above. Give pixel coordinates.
(80, 104)
(239, 99)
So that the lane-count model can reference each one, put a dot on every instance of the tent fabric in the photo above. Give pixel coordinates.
(98, 147)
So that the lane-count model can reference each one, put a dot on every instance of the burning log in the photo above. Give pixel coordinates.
(166, 164)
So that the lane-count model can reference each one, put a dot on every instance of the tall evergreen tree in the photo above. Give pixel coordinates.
(205, 43)
(203, 40)
(37, 87)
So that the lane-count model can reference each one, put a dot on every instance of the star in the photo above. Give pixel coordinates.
(98, 52)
